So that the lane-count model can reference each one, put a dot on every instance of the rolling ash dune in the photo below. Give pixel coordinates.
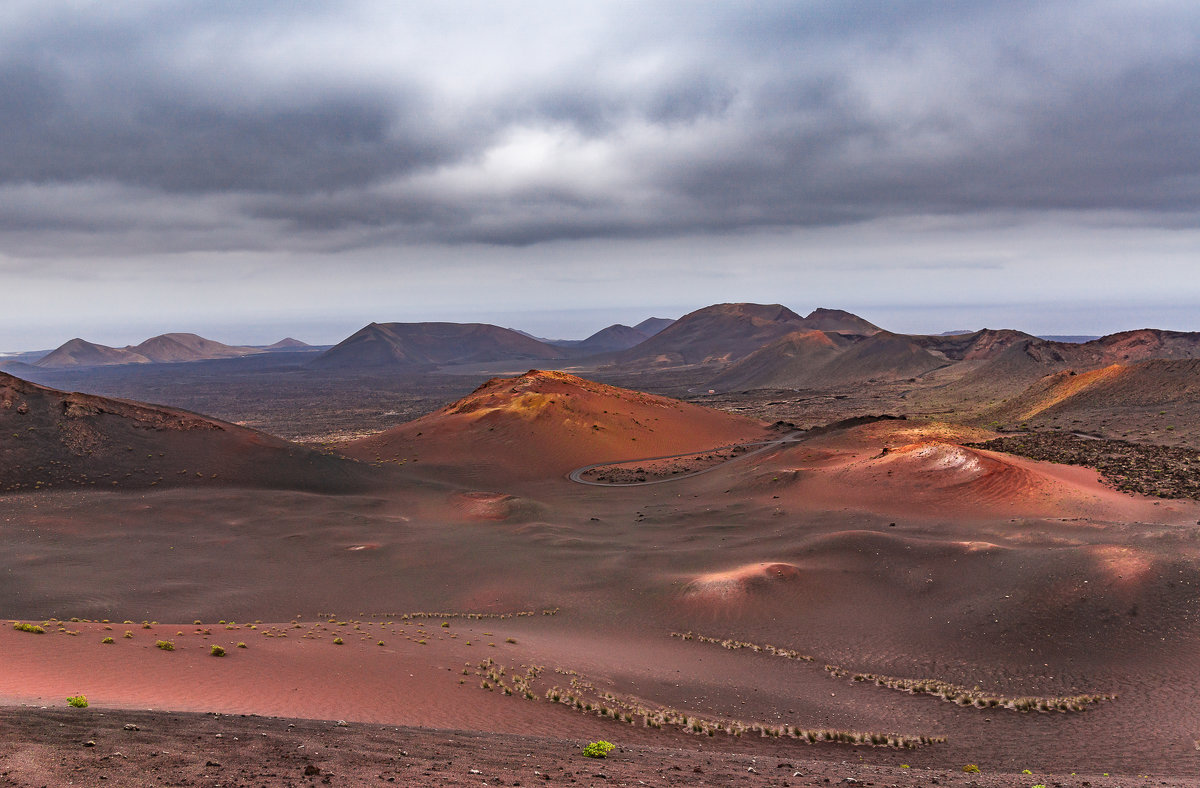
(741, 581)
(544, 424)
(55, 439)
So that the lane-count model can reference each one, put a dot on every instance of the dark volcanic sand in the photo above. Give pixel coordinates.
(139, 748)
(929, 560)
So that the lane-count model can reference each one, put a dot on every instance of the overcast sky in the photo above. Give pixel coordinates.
(248, 170)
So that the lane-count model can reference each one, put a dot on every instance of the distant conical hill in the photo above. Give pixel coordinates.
(423, 346)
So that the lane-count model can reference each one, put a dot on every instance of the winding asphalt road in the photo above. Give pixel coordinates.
(577, 474)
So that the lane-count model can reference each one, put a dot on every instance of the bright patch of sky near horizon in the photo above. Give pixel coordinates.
(251, 170)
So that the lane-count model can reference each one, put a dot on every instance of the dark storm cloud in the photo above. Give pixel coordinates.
(305, 125)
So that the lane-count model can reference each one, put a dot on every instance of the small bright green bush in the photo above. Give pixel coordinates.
(165, 645)
(77, 701)
(241, 645)
(217, 651)
(338, 641)
(21, 626)
(108, 640)
(971, 768)
(599, 749)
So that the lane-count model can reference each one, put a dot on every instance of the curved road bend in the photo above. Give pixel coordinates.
(577, 474)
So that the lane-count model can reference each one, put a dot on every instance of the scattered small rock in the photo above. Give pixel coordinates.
(132, 727)
(310, 770)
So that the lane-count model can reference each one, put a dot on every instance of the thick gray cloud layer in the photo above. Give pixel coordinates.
(325, 126)
(924, 152)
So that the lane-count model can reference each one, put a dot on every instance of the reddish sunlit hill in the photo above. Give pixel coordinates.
(548, 423)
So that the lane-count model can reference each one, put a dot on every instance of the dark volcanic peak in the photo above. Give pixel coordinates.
(881, 356)
(288, 343)
(71, 440)
(1145, 343)
(653, 325)
(615, 337)
(973, 345)
(423, 346)
(839, 320)
(162, 349)
(715, 334)
(725, 333)
(81, 353)
(815, 359)
(174, 348)
(788, 362)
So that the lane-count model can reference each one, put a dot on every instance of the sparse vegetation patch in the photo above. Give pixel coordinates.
(974, 696)
(1144, 468)
(583, 696)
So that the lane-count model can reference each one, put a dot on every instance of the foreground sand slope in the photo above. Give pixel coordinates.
(925, 561)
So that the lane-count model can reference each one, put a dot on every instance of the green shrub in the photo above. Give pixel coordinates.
(77, 701)
(599, 749)
(338, 641)
(21, 626)
(241, 645)
(217, 651)
(165, 645)
(108, 640)
(971, 768)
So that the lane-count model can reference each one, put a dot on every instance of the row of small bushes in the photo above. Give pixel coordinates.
(735, 645)
(975, 696)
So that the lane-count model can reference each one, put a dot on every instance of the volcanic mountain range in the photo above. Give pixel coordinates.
(754, 346)
(162, 349)
(728, 346)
